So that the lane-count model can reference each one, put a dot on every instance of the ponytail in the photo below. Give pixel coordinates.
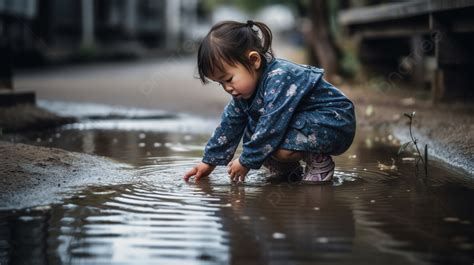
(265, 36)
(230, 41)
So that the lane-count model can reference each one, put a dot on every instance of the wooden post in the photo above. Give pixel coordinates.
(453, 77)
(418, 56)
(87, 23)
(131, 17)
(9, 97)
(173, 13)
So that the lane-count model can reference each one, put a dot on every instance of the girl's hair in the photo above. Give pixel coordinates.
(229, 41)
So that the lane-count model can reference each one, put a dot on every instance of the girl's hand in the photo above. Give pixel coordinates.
(199, 171)
(236, 171)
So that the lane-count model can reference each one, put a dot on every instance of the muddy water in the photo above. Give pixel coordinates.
(372, 214)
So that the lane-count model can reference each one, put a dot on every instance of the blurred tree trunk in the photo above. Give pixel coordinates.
(323, 48)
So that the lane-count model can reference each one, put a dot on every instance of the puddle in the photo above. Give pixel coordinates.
(371, 214)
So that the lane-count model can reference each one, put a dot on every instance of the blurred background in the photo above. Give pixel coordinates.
(142, 52)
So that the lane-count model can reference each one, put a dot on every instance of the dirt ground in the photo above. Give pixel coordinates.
(33, 176)
(447, 128)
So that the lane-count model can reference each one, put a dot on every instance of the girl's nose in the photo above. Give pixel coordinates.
(228, 88)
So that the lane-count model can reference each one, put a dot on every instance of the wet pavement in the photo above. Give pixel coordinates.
(375, 212)
(168, 83)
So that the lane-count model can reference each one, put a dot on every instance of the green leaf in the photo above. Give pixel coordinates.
(403, 147)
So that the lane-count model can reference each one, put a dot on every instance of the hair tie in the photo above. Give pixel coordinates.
(250, 23)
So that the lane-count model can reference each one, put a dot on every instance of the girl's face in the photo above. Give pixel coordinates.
(237, 80)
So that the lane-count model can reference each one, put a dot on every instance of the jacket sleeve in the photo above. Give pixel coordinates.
(282, 95)
(224, 141)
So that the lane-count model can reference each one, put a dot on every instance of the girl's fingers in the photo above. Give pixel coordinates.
(190, 173)
(236, 176)
(233, 176)
(241, 178)
(230, 172)
(229, 167)
(198, 176)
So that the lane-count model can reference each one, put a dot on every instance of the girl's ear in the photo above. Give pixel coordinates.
(255, 59)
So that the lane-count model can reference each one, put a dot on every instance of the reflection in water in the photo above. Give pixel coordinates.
(288, 223)
(367, 216)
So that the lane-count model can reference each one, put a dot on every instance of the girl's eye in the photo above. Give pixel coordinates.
(229, 80)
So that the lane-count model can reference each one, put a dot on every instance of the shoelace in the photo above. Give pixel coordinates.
(326, 169)
(321, 167)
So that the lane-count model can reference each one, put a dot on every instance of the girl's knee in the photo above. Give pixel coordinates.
(285, 155)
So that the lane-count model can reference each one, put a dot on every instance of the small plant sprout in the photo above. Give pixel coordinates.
(422, 158)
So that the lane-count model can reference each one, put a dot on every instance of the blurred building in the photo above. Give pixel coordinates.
(54, 29)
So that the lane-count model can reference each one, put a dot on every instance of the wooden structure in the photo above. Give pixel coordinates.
(6, 75)
(435, 38)
(9, 13)
(8, 96)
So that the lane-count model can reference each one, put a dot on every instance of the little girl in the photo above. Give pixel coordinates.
(285, 112)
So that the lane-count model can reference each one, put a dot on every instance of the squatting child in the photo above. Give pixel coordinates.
(286, 112)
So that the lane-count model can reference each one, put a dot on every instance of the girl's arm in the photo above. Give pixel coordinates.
(224, 141)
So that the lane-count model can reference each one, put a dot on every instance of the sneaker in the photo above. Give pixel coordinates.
(319, 169)
(283, 171)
